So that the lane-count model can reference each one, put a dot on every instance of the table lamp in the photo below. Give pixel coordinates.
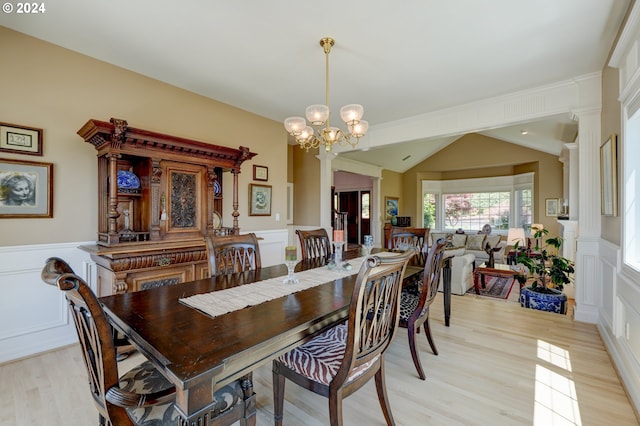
(516, 235)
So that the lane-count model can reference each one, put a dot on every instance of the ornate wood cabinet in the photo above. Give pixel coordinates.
(158, 195)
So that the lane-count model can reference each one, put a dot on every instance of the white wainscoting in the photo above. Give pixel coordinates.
(619, 319)
(33, 315)
(272, 244)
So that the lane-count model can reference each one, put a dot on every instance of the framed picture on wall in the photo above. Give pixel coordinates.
(391, 207)
(609, 177)
(26, 189)
(20, 139)
(259, 200)
(551, 207)
(260, 173)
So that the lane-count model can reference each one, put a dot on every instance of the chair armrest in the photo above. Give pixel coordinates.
(126, 399)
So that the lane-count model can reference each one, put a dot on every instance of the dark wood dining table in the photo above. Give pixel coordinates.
(199, 353)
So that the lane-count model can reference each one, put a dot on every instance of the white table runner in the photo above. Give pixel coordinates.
(221, 302)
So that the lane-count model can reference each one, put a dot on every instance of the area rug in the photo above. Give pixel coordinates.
(497, 287)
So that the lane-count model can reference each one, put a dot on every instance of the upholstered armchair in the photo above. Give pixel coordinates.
(461, 272)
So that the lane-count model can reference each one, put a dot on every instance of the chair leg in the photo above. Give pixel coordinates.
(427, 331)
(335, 408)
(381, 387)
(278, 395)
(411, 331)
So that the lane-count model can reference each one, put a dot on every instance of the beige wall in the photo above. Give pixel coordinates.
(58, 90)
(474, 156)
(611, 124)
(306, 178)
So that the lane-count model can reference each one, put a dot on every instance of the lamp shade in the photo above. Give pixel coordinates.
(535, 227)
(317, 114)
(295, 125)
(515, 235)
(351, 113)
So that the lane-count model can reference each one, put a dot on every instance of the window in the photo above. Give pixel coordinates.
(472, 210)
(630, 183)
(364, 205)
(502, 202)
(429, 210)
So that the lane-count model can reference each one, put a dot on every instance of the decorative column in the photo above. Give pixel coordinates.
(588, 275)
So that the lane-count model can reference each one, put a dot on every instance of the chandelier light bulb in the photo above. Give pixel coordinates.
(359, 129)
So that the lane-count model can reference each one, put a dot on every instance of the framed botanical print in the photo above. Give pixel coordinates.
(26, 189)
(259, 200)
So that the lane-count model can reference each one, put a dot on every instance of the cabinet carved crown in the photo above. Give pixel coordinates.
(154, 187)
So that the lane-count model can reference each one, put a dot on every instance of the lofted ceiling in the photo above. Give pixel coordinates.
(397, 59)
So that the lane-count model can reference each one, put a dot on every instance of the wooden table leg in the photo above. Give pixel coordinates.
(446, 287)
(476, 285)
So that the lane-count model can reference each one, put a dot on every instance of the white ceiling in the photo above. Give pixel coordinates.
(398, 59)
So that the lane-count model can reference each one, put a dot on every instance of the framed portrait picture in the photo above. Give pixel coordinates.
(259, 200)
(26, 189)
(609, 177)
(260, 173)
(391, 207)
(551, 207)
(20, 139)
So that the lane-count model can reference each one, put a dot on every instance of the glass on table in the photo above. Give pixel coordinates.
(290, 258)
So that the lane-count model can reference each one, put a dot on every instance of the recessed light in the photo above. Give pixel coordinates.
(524, 132)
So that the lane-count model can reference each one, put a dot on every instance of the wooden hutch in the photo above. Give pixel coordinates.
(158, 195)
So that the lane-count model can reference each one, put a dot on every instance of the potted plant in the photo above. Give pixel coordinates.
(548, 274)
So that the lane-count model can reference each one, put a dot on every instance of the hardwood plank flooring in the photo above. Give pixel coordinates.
(499, 364)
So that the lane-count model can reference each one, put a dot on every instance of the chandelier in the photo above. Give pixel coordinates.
(320, 132)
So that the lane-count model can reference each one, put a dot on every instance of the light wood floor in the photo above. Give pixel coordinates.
(499, 364)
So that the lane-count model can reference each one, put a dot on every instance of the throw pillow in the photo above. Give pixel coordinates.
(459, 240)
(475, 242)
(492, 240)
(435, 236)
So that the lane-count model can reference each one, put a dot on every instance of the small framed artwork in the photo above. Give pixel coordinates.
(551, 207)
(260, 173)
(391, 207)
(609, 177)
(20, 139)
(26, 189)
(259, 200)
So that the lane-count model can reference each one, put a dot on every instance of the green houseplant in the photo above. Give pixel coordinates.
(548, 274)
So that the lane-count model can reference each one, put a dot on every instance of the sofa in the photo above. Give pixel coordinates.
(474, 244)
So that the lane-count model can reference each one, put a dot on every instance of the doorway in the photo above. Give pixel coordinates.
(357, 205)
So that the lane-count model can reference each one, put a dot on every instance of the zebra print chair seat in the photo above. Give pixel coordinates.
(340, 360)
(414, 305)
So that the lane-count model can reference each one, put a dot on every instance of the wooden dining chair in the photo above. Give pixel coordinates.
(230, 254)
(415, 302)
(403, 238)
(341, 359)
(142, 396)
(314, 243)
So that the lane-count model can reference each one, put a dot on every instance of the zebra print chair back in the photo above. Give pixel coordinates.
(343, 358)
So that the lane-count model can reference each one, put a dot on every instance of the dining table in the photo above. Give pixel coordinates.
(199, 353)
